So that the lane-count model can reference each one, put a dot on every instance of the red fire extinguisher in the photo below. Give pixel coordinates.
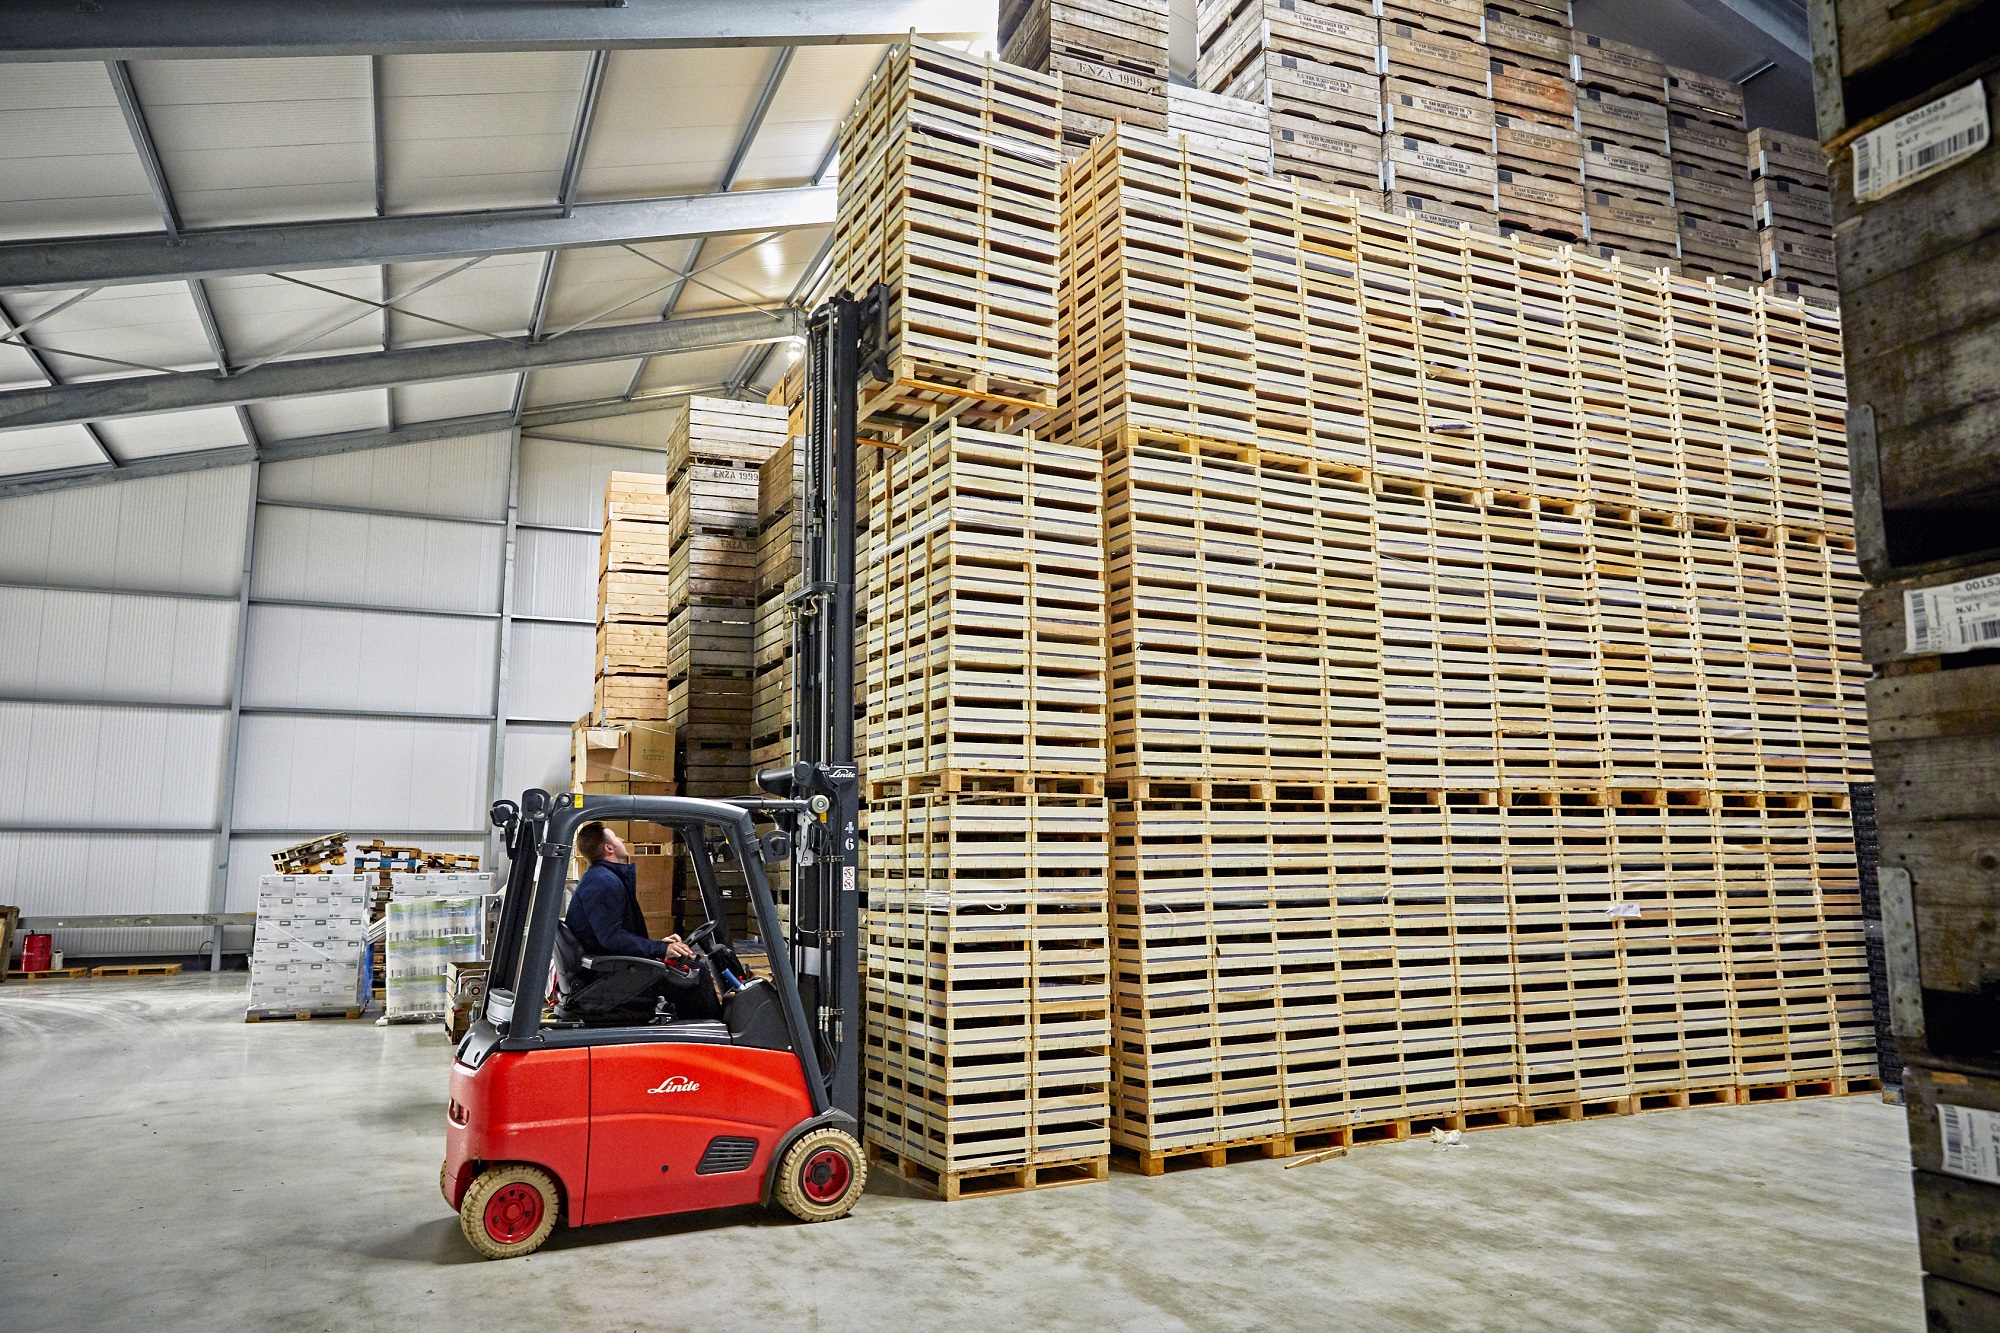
(36, 952)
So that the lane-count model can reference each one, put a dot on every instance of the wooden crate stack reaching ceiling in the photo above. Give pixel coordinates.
(1480, 624)
(1793, 211)
(1109, 55)
(1314, 68)
(980, 655)
(948, 194)
(713, 460)
(1536, 143)
(1710, 153)
(634, 602)
(780, 552)
(1621, 94)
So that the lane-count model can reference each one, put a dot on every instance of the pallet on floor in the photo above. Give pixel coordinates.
(300, 1015)
(137, 970)
(48, 974)
(953, 1185)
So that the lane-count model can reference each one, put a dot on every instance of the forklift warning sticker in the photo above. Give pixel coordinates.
(1971, 1142)
(1921, 144)
(1953, 618)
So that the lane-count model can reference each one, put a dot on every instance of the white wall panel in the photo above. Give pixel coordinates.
(321, 774)
(49, 873)
(119, 647)
(549, 671)
(79, 765)
(555, 574)
(372, 560)
(562, 484)
(307, 657)
(464, 478)
(182, 533)
(537, 756)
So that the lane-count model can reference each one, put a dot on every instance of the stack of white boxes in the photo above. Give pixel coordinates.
(434, 920)
(308, 950)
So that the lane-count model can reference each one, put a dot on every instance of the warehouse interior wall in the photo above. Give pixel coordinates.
(202, 667)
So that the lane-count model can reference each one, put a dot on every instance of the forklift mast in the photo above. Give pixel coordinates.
(845, 345)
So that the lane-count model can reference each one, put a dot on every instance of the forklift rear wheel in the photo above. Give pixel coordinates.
(822, 1176)
(509, 1211)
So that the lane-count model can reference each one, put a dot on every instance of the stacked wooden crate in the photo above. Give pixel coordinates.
(1314, 68)
(1915, 195)
(983, 680)
(634, 602)
(1627, 164)
(1793, 211)
(1231, 124)
(1536, 145)
(780, 550)
(980, 671)
(1109, 55)
(1711, 156)
(713, 459)
(1483, 687)
(948, 194)
(1437, 112)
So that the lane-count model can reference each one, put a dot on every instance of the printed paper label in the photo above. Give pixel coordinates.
(1971, 1142)
(1955, 617)
(1921, 144)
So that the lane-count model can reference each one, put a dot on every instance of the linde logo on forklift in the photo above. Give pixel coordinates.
(676, 1083)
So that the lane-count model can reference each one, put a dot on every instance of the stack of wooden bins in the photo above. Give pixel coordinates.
(1793, 214)
(981, 658)
(634, 601)
(632, 759)
(1536, 147)
(1711, 176)
(1488, 763)
(989, 1021)
(1437, 117)
(1915, 199)
(1314, 67)
(1214, 121)
(1110, 56)
(948, 194)
(780, 549)
(1621, 113)
(713, 459)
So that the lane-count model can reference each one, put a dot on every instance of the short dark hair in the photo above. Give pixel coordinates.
(590, 841)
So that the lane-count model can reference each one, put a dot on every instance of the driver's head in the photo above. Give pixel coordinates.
(597, 843)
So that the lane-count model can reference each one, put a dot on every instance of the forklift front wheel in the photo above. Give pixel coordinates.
(509, 1211)
(822, 1176)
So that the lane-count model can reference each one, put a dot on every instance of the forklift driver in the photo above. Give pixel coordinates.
(604, 916)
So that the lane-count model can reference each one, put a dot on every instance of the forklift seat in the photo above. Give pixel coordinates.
(602, 989)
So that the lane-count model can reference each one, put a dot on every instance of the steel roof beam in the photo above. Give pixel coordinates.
(97, 261)
(141, 395)
(207, 29)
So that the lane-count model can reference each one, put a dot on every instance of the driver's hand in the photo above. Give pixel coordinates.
(678, 949)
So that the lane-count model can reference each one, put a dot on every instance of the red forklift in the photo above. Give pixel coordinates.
(577, 1095)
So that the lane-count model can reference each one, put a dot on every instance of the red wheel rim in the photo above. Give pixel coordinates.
(513, 1213)
(826, 1175)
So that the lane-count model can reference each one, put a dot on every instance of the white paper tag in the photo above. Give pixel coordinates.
(1921, 144)
(1955, 617)
(1971, 1142)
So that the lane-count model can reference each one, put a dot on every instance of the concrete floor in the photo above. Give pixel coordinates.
(166, 1165)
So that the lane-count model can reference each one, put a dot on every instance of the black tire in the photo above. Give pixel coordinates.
(510, 1210)
(822, 1176)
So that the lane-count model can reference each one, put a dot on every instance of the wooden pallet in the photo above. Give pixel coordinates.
(48, 974)
(137, 970)
(953, 1185)
(301, 1015)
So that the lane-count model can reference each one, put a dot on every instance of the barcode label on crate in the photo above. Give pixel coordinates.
(1922, 143)
(1954, 618)
(1971, 1142)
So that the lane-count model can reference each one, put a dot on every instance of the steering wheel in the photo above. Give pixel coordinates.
(728, 968)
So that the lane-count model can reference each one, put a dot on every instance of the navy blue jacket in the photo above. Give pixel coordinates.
(604, 913)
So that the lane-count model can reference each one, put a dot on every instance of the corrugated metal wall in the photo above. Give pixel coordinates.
(389, 665)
